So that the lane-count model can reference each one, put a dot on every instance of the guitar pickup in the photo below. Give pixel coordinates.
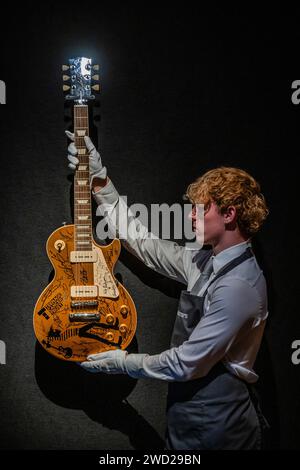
(84, 291)
(83, 256)
(84, 316)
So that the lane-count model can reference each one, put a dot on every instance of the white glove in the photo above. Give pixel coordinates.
(95, 164)
(110, 362)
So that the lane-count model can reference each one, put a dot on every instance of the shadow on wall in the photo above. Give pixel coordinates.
(266, 386)
(56, 379)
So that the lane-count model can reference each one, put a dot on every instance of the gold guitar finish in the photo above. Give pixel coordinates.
(113, 320)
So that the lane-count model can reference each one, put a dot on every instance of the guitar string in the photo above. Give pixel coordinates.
(76, 191)
(81, 191)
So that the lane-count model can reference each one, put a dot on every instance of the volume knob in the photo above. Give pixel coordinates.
(124, 311)
(109, 336)
(123, 328)
(109, 318)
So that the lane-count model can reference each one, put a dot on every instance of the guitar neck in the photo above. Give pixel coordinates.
(82, 193)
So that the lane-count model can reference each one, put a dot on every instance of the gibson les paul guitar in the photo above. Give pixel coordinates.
(85, 309)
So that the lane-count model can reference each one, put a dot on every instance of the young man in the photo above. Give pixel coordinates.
(221, 316)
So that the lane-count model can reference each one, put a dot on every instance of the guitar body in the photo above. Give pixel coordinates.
(85, 309)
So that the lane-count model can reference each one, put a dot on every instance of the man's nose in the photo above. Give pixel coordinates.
(192, 215)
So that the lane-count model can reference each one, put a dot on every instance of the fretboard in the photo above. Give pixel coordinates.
(82, 193)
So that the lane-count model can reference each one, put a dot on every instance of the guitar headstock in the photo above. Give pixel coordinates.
(80, 79)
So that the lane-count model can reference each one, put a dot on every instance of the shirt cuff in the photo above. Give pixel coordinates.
(106, 195)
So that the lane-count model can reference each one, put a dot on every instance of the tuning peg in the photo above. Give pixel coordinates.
(96, 67)
(65, 67)
(66, 78)
(95, 77)
(96, 87)
(66, 87)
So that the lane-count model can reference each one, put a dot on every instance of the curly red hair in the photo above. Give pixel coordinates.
(226, 186)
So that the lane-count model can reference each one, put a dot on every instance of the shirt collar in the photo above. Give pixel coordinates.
(229, 254)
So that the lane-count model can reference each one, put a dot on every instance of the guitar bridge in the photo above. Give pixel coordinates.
(84, 304)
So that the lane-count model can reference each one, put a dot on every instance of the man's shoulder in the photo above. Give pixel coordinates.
(246, 281)
(250, 272)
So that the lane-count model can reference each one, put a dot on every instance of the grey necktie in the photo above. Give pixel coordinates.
(203, 278)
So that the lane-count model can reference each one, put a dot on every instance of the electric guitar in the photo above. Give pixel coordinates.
(85, 309)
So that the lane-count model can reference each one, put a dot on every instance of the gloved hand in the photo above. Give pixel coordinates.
(110, 362)
(96, 167)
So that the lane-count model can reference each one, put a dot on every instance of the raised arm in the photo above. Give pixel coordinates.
(163, 256)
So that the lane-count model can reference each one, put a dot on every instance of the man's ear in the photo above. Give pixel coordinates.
(230, 215)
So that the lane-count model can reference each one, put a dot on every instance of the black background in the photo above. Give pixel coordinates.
(183, 91)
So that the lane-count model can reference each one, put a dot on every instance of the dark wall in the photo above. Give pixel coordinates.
(182, 92)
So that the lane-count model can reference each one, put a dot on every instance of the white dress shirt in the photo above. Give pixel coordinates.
(235, 308)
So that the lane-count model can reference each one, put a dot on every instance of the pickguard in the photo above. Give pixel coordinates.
(103, 277)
